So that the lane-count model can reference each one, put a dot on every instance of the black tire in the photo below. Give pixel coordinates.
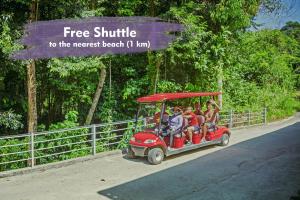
(224, 139)
(130, 153)
(155, 156)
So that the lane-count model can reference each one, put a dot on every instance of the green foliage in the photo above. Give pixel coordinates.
(6, 40)
(200, 52)
(261, 73)
(9, 154)
(106, 133)
(12, 76)
(168, 86)
(70, 86)
(130, 130)
(47, 151)
(234, 14)
(73, 140)
(10, 120)
(69, 66)
(59, 144)
(292, 29)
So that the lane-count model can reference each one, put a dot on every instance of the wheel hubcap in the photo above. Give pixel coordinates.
(158, 157)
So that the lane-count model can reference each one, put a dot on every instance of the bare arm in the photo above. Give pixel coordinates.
(217, 108)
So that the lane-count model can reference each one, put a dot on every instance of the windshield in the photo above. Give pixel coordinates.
(148, 112)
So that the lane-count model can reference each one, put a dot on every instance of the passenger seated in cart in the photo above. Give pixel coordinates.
(198, 109)
(210, 117)
(175, 123)
(192, 123)
(200, 114)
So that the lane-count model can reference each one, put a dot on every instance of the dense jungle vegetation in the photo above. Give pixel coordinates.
(259, 68)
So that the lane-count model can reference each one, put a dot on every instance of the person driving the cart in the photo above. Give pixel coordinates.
(175, 122)
(210, 117)
(192, 123)
(165, 118)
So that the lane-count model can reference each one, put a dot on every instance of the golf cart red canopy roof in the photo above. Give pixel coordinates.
(171, 96)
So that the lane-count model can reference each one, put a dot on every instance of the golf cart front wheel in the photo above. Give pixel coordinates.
(224, 139)
(155, 156)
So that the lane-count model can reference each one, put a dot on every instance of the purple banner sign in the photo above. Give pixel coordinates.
(95, 36)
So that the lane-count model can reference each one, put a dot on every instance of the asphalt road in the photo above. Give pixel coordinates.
(260, 163)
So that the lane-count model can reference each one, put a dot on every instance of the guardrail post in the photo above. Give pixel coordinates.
(94, 139)
(230, 124)
(32, 148)
(265, 116)
(249, 117)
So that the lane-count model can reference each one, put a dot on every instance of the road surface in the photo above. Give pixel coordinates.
(260, 163)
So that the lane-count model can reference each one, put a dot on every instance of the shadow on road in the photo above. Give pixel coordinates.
(266, 167)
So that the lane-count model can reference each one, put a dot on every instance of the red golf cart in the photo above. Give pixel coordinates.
(154, 143)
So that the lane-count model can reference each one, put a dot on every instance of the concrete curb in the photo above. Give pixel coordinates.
(44, 167)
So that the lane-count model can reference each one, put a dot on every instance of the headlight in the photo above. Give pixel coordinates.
(132, 139)
(149, 141)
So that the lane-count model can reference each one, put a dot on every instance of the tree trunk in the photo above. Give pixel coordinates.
(31, 90)
(93, 4)
(96, 96)
(31, 80)
(152, 8)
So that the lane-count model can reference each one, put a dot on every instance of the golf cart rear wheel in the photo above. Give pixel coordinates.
(130, 153)
(224, 139)
(155, 156)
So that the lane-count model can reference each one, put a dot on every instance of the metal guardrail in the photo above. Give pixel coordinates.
(28, 150)
(234, 119)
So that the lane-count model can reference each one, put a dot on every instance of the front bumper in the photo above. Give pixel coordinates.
(138, 150)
